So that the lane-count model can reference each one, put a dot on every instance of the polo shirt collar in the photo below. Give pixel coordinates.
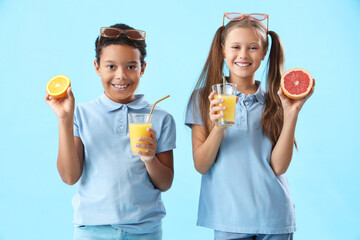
(110, 105)
(259, 94)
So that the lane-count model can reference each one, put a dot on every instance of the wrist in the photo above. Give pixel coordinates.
(219, 130)
(291, 115)
(66, 120)
(148, 160)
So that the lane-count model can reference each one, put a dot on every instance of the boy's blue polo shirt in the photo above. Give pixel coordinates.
(115, 188)
(240, 193)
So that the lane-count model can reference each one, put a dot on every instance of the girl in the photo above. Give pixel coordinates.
(244, 192)
(118, 195)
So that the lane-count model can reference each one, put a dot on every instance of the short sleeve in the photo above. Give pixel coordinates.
(167, 136)
(193, 115)
(76, 122)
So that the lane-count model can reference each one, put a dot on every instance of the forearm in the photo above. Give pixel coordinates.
(161, 175)
(205, 154)
(68, 162)
(282, 153)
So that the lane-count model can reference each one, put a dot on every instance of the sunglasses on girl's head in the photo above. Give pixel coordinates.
(133, 34)
(252, 16)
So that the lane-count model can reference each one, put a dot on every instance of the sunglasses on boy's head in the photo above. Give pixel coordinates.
(252, 16)
(133, 34)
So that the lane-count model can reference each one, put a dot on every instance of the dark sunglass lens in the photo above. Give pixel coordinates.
(111, 32)
(134, 34)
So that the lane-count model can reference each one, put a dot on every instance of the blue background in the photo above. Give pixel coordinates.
(40, 39)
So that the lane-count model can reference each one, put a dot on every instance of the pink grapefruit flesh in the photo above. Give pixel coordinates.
(296, 83)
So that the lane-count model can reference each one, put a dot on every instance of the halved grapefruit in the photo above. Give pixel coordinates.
(296, 83)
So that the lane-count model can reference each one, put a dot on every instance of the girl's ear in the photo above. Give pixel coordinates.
(142, 69)
(97, 67)
(223, 50)
(264, 54)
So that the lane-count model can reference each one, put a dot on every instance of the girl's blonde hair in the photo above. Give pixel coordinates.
(272, 117)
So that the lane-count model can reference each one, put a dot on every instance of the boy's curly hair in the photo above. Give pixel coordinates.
(121, 40)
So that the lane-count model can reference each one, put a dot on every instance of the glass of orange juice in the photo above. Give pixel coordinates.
(227, 92)
(138, 123)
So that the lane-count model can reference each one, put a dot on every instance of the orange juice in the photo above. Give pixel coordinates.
(137, 130)
(229, 112)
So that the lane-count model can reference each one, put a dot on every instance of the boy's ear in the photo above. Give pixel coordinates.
(97, 67)
(142, 69)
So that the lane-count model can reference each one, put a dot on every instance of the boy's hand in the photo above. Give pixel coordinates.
(147, 156)
(63, 107)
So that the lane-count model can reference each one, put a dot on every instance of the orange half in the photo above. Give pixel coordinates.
(57, 86)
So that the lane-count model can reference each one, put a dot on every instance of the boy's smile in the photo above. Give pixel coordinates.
(120, 71)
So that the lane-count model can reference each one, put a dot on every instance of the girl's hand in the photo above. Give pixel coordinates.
(294, 105)
(63, 107)
(214, 111)
(151, 146)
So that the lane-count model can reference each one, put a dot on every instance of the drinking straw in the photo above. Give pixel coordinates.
(224, 83)
(152, 109)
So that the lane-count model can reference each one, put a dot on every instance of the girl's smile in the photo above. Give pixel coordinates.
(242, 64)
(243, 52)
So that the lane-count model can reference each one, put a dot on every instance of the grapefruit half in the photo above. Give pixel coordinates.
(296, 83)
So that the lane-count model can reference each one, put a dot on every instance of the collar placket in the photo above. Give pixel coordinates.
(241, 118)
(122, 121)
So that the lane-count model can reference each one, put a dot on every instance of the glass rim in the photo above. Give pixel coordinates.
(138, 113)
(144, 116)
(233, 85)
(227, 83)
(229, 89)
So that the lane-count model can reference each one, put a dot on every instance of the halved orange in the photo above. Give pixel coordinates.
(57, 86)
(296, 83)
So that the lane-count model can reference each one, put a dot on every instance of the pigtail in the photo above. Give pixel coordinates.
(273, 116)
(210, 75)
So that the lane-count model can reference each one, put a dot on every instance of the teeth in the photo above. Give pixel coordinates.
(243, 64)
(120, 86)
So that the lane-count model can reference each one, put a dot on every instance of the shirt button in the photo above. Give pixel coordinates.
(121, 120)
(246, 103)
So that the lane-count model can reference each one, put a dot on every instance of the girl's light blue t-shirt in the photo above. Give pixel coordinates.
(240, 193)
(115, 188)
